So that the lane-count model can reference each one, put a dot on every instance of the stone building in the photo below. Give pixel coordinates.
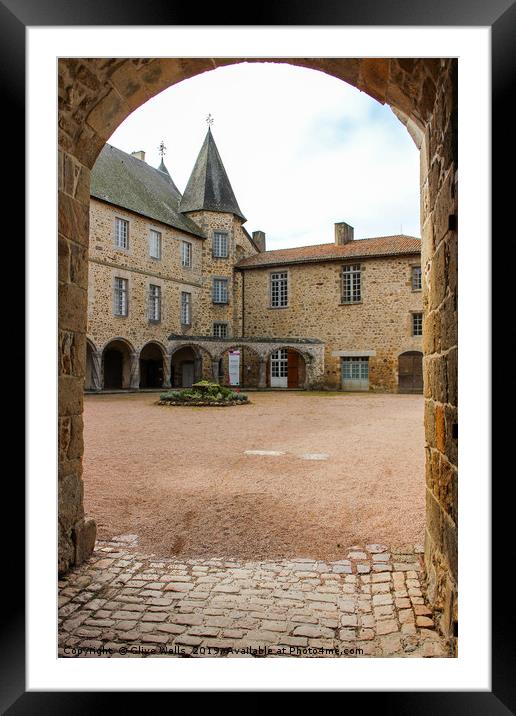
(178, 290)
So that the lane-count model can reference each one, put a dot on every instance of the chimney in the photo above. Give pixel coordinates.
(139, 155)
(343, 233)
(259, 240)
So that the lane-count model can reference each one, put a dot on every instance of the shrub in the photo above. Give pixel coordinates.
(204, 392)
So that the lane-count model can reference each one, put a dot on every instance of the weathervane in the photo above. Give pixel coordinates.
(209, 121)
(162, 148)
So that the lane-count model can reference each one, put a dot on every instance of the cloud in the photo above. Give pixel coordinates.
(302, 150)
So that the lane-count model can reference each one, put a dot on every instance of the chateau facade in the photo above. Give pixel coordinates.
(179, 290)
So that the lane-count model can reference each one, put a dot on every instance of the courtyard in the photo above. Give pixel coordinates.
(254, 531)
(293, 475)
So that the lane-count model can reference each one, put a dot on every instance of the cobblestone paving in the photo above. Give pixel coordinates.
(123, 603)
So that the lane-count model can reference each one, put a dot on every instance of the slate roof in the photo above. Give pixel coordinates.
(131, 183)
(209, 187)
(397, 245)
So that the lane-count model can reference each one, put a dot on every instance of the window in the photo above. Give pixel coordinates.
(279, 289)
(155, 244)
(220, 290)
(121, 233)
(186, 254)
(279, 363)
(220, 245)
(416, 278)
(120, 297)
(355, 368)
(351, 284)
(417, 324)
(220, 330)
(154, 303)
(186, 308)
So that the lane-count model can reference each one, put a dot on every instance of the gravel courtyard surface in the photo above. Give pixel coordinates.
(291, 475)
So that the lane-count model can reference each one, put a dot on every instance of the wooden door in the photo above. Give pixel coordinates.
(293, 369)
(410, 372)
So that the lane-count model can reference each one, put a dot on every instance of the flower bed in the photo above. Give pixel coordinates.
(203, 393)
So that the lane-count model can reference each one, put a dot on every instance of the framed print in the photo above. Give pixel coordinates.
(317, 523)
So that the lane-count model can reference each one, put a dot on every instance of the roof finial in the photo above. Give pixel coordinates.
(162, 149)
(209, 121)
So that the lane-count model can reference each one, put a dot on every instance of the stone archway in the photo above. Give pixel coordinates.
(288, 367)
(95, 95)
(188, 364)
(118, 358)
(153, 366)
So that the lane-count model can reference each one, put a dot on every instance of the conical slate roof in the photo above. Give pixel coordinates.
(208, 187)
(162, 168)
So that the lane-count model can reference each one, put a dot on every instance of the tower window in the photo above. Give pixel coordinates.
(220, 244)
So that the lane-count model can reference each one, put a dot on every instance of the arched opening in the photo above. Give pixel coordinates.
(423, 94)
(286, 368)
(186, 367)
(410, 372)
(151, 366)
(116, 365)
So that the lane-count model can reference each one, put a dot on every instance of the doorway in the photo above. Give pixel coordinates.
(410, 372)
(279, 368)
(355, 374)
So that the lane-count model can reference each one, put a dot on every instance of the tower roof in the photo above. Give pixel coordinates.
(162, 168)
(208, 187)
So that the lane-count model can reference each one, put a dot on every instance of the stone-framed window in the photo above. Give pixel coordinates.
(220, 330)
(155, 244)
(154, 303)
(121, 233)
(120, 297)
(279, 289)
(417, 324)
(416, 278)
(352, 283)
(220, 290)
(186, 254)
(186, 308)
(220, 245)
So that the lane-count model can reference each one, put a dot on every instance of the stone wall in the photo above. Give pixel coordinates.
(76, 533)
(239, 246)
(137, 266)
(380, 323)
(439, 251)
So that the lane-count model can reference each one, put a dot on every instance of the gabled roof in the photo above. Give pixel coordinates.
(209, 188)
(397, 245)
(131, 183)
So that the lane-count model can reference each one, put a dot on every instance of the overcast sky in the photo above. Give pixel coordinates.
(302, 150)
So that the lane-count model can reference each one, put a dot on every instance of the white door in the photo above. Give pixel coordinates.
(187, 375)
(279, 368)
(355, 374)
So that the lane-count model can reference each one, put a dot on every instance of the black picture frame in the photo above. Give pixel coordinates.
(15, 16)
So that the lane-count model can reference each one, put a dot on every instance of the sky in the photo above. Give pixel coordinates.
(302, 150)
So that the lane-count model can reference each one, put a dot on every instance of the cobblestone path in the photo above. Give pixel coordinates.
(123, 603)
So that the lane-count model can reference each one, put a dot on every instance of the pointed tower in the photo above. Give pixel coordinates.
(163, 169)
(209, 188)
